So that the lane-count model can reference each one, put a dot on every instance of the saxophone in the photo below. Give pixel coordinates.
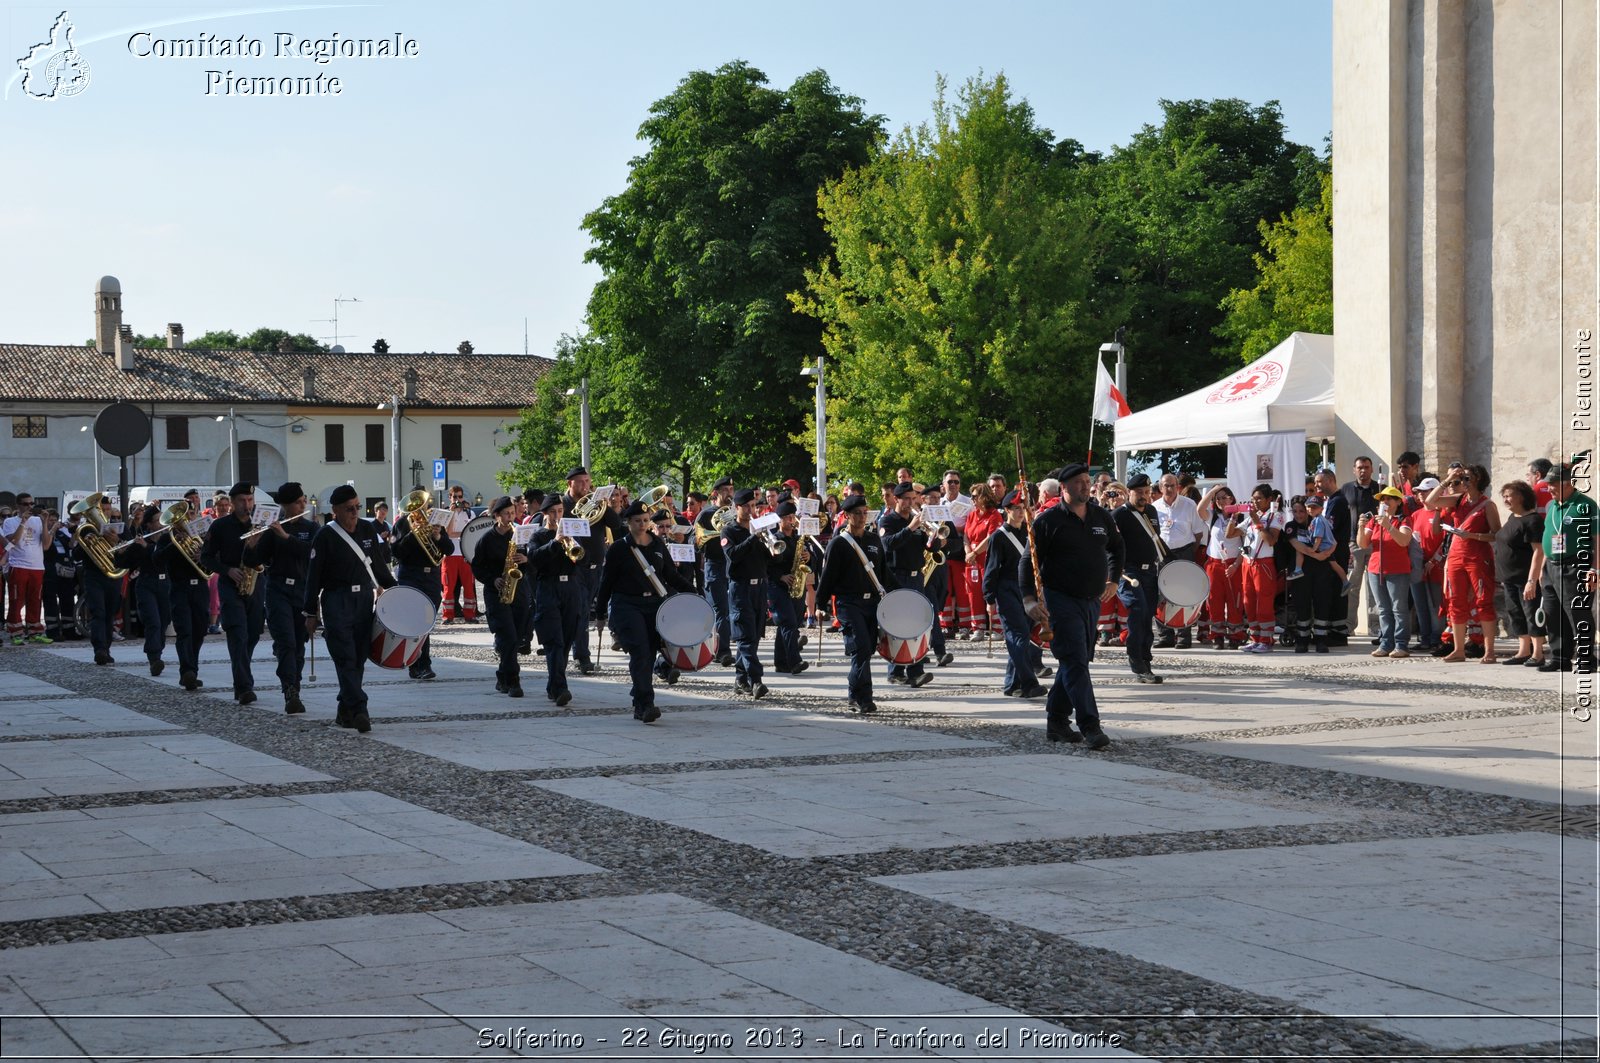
(248, 574)
(511, 575)
(801, 571)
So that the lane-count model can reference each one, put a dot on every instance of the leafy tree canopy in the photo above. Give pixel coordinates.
(1294, 281)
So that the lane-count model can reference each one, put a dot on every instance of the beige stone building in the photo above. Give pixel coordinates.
(1465, 232)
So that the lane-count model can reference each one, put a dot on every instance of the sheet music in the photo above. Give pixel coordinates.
(605, 492)
(939, 513)
(808, 507)
(199, 525)
(810, 526)
(523, 532)
(439, 518)
(680, 552)
(575, 527)
(761, 524)
(265, 514)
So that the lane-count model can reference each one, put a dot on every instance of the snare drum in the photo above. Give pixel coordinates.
(688, 630)
(905, 620)
(401, 620)
(1184, 589)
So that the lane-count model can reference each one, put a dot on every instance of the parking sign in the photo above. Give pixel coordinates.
(441, 473)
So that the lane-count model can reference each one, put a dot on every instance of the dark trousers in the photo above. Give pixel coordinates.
(285, 604)
(913, 580)
(1568, 615)
(1141, 605)
(633, 620)
(1311, 600)
(1339, 611)
(937, 589)
(858, 613)
(1022, 656)
(191, 615)
(557, 617)
(747, 614)
(430, 585)
(104, 599)
(347, 629)
(588, 583)
(242, 622)
(60, 603)
(507, 622)
(716, 592)
(153, 597)
(786, 627)
(1073, 621)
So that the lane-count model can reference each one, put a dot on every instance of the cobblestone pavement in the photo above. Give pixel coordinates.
(1278, 857)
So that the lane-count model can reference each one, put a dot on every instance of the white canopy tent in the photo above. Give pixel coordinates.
(1288, 388)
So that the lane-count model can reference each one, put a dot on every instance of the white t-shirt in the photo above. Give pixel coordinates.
(459, 519)
(1220, 546)
(1180, 522)
(1255, 544)
(28, 550)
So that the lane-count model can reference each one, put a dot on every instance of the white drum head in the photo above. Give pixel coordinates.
(475, 529)
(405, 611)
(905, 613)
(1183, 583)
(685, 620)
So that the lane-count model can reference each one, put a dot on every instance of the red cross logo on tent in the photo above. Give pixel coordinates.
(1246, 384)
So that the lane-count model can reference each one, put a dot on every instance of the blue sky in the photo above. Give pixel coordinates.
(445, 191)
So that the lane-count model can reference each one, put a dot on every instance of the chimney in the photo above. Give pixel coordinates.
(411, 384)
(174, 336)
(125, 355)
(107, 315)
(308, 380)
(464, 347)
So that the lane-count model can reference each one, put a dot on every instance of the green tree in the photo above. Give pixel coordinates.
(951, 300)
(693, 351)
(262, 340)
(1294, 281)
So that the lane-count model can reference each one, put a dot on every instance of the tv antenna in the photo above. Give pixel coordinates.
(334, 320)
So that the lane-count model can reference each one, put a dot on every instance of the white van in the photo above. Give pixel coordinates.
(165, 496)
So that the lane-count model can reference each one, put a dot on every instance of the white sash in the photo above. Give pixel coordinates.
(649, 572)
(360, 553)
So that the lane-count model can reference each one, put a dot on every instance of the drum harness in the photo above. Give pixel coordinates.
(649, 572)
(360, 553)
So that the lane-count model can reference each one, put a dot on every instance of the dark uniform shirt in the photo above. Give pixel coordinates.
(288, 557)
(226, 546)
(904, 548)
(623, 575)
(1076, 555)
(712, 550)
(1004, 560)
(746, 552)
(333, 566)
(842, 571)
(412, 557)
(489, 562)
(1360, 499)
(1141, 552)
(547, 557)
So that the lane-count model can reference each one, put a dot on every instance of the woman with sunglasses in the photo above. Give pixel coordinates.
(1224, 623)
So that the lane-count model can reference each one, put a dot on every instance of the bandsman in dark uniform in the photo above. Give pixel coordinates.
(637, 577)
(854, 575)
(579, 484)
(103, 597)
(151, 587)
(344, 576)
(714, 566)
(415, 569)
(558, 600)
(1002, 587)
(785, 608)
(228, 553)
(747, 555)
(905, 547)
(190, 590)
(286, 549)
(509, 622)
(936, 588)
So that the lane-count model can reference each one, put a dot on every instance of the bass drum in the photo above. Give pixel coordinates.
(688, 630)
(1184, 589)
(905, 621)
(474, 531)
(401, 620)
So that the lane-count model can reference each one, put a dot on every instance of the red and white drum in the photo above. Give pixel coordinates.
(401, 620)
(688, 630)
(905, 620)
(1184, 588)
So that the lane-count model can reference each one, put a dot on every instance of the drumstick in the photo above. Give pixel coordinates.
(313, 641)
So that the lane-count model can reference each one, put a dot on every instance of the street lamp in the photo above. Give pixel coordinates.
(822, 425)
(233, 443)
(1120, 457)
(582, 391)
(394, 450)
(94, 457)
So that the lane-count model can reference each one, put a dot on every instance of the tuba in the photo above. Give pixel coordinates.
(656, 498)
(416, 506)
(719, 520)
(176, 517)
(90, 536)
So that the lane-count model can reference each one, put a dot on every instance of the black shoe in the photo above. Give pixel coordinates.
(292, 704)
(1165, 642)
(1515, 660)
(758, 690)
(188, 680)
(944, 659)
(1322, 645)
(1105, 639)
(1148, 677)
(363, 723)
(158, 666)
(1035, 691)
(1012, 693)
(526, 648)
(1442, 650)
(726, 660)
(1474, 650)
(1377, 642)
(563, 698)
(1555, 666)
(1098, 740)
(804, 642)
(898, 679)
(741, 687)
(648, 714)
(515, 691)
(1338, 640)
(341, 720)
(425, 673)
(1533, 662)
(863, 707)
(500, 686)
(1185, 641)
(1044, 671)
(586, 667)
(921, 681)
(1063, 734)
(102, 659)
(672, 676)
(1302, 646)
(802, 666)
(245, 697)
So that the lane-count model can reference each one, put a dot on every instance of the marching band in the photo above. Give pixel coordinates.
(679, 591)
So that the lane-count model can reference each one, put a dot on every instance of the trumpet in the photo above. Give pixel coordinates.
(774, 544)
(416, 506)
(571, 548)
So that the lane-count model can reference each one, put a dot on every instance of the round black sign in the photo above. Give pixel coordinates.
(122, 429)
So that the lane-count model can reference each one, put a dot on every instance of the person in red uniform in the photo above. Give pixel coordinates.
(1386, 533)
(1224, 570)
(1469, 582)
(1427, 570)
(1260, 534)
(984, 520)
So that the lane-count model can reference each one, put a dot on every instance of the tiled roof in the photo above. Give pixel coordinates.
(40, 373)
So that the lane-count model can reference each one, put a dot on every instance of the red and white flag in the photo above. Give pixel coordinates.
(1108, 401)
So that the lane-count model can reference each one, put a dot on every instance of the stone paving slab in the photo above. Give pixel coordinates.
(1415, 930)
(19, 687)
(1546, 757)
(200, 852)
(856, 808)
(42, 768)
(72, 716)
(440, 978)
(680, 736)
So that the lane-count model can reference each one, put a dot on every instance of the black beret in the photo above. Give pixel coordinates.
(1076, 469)
(743, 496)
(195, 491)
(634, 510)
(901, 490)
(287, 493)
(661, 516)
(852, 503)
(784, 496)
(551, 501)
(1138, 479)
(575, 472)
(503, 502)
(726, 481)
(533, 494)
(242, 488)
(786, 509)
(341, 494)
(1013, 499)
